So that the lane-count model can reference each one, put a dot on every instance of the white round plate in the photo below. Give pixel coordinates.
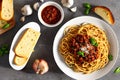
(32, 25)
(113, 50)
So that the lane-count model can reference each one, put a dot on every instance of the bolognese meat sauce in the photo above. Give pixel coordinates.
(83, 49)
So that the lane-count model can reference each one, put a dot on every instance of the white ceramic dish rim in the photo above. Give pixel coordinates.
(45, 5)
(111, 37)
(32, 25)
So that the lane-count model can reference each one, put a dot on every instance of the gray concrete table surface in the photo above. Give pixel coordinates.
(43, 48)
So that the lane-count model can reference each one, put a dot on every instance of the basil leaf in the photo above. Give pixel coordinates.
(87, 11)
(96, 44)
(110, 57)
(81, 53)
(87, 8)
(93, 42)
(87, 5)
(117, 70)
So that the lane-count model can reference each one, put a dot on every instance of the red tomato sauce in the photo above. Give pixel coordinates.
(51, 14)
(82, 43)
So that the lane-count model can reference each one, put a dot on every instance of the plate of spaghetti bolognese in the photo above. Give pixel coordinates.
(81, 48)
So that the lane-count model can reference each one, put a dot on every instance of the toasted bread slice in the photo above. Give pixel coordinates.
(7, 11)
(19, 60)
(27, 43)
(105, 13)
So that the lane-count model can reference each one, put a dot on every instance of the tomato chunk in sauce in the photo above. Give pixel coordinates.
(81, 43)
(51, 14)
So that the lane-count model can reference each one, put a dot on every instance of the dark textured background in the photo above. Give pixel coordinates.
(44, 47)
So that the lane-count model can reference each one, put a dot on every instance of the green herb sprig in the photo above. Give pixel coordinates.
(6, 26)
(87, 8)
(110, 57)
(4, 49)
(117, 70)
(81, 53)
(93, 42)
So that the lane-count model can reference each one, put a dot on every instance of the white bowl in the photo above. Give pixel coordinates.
(48, 4)
(114, 48)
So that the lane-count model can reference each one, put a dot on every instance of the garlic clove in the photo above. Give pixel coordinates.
(74, 9)
(67, 3)
(42, 0)
(36, 6)
(22, 19)
(26, 10)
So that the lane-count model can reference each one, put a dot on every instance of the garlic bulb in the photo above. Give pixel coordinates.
(26, 10)
(67, 3)
(74, 9)
(36, 6)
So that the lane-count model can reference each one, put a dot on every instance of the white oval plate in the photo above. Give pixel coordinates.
(32, 25)
(113, 44)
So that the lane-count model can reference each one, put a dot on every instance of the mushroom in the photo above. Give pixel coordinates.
(74, 9)
(67, 3)
(36, 6)
(22, 19)
(26, 10)
(40, 66)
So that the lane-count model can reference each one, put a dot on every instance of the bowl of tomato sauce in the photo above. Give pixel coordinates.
(50, 14)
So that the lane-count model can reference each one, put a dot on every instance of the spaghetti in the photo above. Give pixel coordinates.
(79, 52)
